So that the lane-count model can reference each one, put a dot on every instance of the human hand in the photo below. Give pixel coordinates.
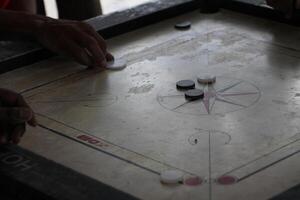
(14, 114)
(74, 39)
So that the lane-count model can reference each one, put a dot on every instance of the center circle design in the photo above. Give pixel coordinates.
(224, 96)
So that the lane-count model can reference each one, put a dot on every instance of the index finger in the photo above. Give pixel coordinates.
(100, 40)
(93, 33)
(21, 102)
(98, 56)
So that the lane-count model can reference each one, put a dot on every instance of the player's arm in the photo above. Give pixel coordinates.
(15, 113)
(70, 38)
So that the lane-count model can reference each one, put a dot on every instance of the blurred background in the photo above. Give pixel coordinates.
(72, 9)
(108, 6)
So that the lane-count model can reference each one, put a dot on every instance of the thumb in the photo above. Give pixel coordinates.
(15, 114)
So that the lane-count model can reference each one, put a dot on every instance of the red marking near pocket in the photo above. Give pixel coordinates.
(226, 180)
(193, 181)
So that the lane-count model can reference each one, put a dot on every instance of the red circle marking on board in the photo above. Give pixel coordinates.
(226, 180)
(193, 181)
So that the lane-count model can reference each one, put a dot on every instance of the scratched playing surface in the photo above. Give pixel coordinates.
(123, 128)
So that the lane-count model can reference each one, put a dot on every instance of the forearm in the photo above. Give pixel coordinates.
(19, 22)
(69, 38)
